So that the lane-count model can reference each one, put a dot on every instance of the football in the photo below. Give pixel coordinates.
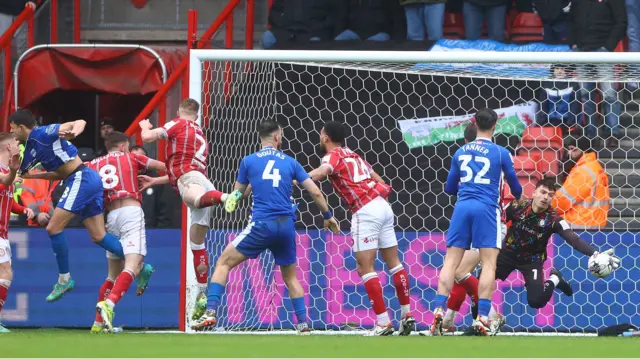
(600, 265)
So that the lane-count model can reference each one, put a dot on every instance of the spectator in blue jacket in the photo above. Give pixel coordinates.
(559, 104)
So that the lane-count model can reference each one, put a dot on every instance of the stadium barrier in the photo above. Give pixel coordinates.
(336, 298)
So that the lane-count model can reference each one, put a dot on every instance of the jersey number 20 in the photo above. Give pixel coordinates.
(271, 173)
(468, 172)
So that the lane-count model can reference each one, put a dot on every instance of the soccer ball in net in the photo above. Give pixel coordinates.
(600, 265)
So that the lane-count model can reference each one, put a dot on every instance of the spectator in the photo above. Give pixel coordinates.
(162, 205)
(106, 127)
(554, 15)
(295, 20)
(584, 199)
(598, 26)
(559, 105)
(372, 20)
(424, 15)
(476, 12)
(36, 194)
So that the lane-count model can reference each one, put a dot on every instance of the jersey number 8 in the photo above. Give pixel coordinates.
(468, 172)
(109, 177)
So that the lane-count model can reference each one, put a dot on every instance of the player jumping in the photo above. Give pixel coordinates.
(49, 146)
(187, 165)
(8, 167)
(270, 174)
(475, 176)
(372, 224)
(531, 224)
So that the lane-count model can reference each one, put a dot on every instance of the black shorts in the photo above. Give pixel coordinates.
(532, 272)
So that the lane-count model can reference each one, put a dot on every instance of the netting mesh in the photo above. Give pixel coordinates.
(407, 121)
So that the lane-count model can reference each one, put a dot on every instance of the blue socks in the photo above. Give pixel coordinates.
(441, 301)
(61, 250)
(300, 309)
(112, 244)
(484, 306)
(215, 294)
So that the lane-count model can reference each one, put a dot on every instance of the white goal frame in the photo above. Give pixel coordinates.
(330, 58)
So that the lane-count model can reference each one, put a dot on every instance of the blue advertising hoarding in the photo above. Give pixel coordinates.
(256, 295)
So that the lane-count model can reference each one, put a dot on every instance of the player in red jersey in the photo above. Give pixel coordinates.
(8, 148)
(372, 224)
(187, 164)
(123, 202)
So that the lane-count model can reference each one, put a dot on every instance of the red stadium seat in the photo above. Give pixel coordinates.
(453, 26)
(528, 172)
(542, 138)
(527, 27)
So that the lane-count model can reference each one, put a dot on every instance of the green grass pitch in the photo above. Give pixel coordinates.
(77, 343)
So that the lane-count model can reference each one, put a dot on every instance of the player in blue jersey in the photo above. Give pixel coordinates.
(83, 195)
(475, 176)
(271, 174)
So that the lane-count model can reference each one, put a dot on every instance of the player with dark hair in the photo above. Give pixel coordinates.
(49, 146)
(8, 163)
(475, 177)
(372, 223)
(470, 132)
(187, 152)
(271, 174)
(531, 223)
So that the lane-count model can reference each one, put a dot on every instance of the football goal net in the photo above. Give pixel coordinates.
(406, 113)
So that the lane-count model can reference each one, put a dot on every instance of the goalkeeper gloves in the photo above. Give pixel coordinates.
(613, 260)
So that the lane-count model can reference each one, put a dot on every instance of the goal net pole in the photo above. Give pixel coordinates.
(302, 89)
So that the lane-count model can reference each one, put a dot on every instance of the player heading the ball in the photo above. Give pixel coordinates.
(49, 145)
(372, 224)
(270, 173)
(9, 163)
(187, 151)
(475, 176)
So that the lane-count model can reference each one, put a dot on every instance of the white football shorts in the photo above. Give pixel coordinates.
(127, 223)
(372, 226)
(199, 216)
(5, 251)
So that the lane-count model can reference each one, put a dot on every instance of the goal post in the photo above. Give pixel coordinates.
(405, 113)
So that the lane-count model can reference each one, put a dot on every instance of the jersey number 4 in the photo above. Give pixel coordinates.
(271, 173)
(468, 172)
(358, 169)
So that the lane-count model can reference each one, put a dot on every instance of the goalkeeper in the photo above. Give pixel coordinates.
(530, 225)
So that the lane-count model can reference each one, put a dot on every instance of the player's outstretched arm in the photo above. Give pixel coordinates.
(149, 134)
(157, 166)
(321, 202)
(510, 173)
(376, 177)
(146, 181)
(50, 176)
(71, 130)
(564, 230)
(320, 173)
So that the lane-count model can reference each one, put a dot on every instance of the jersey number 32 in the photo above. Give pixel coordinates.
(468, 171)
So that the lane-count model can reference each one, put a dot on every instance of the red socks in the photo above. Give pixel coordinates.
(105, 289)
(209, 199)
(200, 257)
(374, 290)
(401, 282)
(456, 297)
(470, 285)
(121, 286)
(4, 290)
